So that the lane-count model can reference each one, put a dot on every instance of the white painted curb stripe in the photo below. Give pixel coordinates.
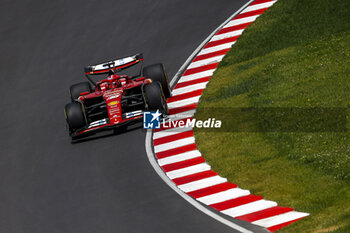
(195, 76)
(279, 219)
(183, 102)
(203, 183)
(204, 62)
(224, 196)
(188, 171)
(170, 132)
(216, 48)
(236, 22)
(258, 6)
(179, 157)
(207, 182)
(227, 35)
(249, 208)
(194, 87)
(174, 144)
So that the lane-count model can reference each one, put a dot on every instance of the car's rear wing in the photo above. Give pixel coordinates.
(118, 64)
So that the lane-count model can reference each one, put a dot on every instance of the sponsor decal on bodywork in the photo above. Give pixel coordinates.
(98, 123)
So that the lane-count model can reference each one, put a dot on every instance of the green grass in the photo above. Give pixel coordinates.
(296, 55)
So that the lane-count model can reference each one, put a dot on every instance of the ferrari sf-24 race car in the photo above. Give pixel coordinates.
(118, 100)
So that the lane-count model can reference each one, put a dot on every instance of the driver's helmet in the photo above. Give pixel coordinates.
(104, 86)
(122, 81)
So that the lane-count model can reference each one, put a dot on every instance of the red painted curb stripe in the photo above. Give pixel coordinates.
(183, 164)
(265, 213)
(172, 138)
(260, 1)
(220, 42)
(235, 202)
(209, 55)
(258, 215)
(277, 227)
(189, 83)
(201, 69)
(251, 13)
(185, 96)
(182, 109)
(211, 190)
(194, 177)
(175, 151)
(233, 28)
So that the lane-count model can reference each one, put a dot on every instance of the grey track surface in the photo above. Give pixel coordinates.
(106, 184)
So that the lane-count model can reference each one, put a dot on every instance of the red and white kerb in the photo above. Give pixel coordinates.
(176, 151)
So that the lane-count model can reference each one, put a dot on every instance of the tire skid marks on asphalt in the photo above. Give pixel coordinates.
(180, 159)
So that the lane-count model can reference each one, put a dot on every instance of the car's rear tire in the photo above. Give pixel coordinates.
(75, 116)
(154, 97)
(76, 89)
(157, 73)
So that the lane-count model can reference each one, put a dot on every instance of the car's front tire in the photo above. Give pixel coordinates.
(154, 97)
(76, 89)
(157, 73)
(75, 116)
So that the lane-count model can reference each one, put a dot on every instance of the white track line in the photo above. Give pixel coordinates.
(258, 6)
(249, 208)
(207, 73)
(223, 196)
(179, 157)
(203, 183)
(188, 170)
(216, 48)
(279, 219)
(174, 144)
(227, 35)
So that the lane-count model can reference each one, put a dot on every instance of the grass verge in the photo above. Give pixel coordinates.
(297, 56)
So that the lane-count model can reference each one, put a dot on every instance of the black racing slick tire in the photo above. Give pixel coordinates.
(76, 89)
(75, 116)
(154, 98)
(157, 73)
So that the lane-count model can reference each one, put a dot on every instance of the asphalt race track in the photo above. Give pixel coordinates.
(47, 184)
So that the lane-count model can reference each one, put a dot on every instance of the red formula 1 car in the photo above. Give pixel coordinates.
(118, 100)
